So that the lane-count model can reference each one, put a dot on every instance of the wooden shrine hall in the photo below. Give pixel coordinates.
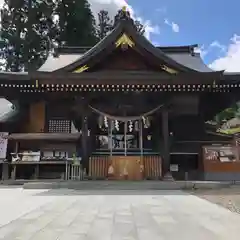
(122, 109)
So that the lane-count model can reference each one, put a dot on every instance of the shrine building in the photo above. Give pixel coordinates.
(124, 108)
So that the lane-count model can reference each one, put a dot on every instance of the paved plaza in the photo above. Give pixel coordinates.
(75, 215)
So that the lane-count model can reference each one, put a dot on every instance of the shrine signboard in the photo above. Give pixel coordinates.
(220, 153)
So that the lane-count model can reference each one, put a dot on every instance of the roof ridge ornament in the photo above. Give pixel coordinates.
(124, 9)
(123, 15)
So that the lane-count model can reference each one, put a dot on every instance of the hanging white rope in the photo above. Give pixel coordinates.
(116, 125)
(129, 118)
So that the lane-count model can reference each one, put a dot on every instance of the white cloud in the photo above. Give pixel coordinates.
(149, 28)
(216, 44)
(112, 6)
(202, 51)
(175, 27)
(5, 106)
(230, 62)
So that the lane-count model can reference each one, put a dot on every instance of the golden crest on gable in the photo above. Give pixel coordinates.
(124, 40)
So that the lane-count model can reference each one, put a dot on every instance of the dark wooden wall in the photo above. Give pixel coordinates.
(124, 60)
(36, 118)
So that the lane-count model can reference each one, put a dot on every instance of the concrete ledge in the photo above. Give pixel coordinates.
(222, 176)
(126, 185)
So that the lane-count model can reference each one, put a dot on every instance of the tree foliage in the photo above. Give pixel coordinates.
(27, 33)
(227, 114)
(77, 25)
(31, 28)
(13, 32)
(140, 27)
(105, 24)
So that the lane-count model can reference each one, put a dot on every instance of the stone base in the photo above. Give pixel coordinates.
(125, 187)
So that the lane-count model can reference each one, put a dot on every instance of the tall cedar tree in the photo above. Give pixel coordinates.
(76, 23)
(13, 21)
(27, 36)
(105, 24)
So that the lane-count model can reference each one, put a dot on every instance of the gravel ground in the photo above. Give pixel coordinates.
(228, 197)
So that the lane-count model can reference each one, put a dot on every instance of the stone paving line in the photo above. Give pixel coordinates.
(65, 214)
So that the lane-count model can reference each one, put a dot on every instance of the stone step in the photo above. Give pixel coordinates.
(125, 185)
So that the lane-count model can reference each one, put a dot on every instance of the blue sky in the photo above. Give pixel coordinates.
(204, 22)
(213, 24)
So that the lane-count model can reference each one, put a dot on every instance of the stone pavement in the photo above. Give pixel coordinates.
(77, 215)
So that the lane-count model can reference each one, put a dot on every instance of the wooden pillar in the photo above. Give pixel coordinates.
(36, 172)
(13, 173)
(5, 171)
(166, 144)
(84, 142)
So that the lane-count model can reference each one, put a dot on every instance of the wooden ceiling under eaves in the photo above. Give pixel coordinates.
(125, 49)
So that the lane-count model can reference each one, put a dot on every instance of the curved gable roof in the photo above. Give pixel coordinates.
(125, 28)
(184, 55)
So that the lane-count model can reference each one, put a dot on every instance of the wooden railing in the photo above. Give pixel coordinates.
(98, 167)
(152, 167)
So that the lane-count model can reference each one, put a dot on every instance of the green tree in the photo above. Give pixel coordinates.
(27, 33)
(13, 20)
(105, 24)
(140, 27)
(42, 32)
(76, 23)
(227, 114)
